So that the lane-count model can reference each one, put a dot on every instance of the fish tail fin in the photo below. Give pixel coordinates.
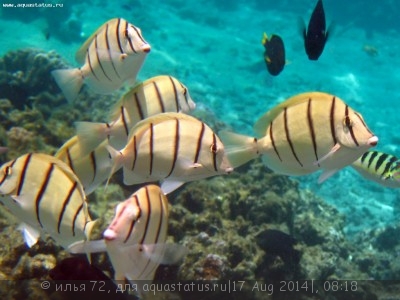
(117, 161)
(239, 148)
(91, 134)
(70, 82)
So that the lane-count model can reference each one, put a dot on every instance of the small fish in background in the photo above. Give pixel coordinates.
(45, 194)
(306, 133)
(155, 95)
(135, 240)
(380, 167)
(274, 54)
(277, 242)
(172, 147)
(112, 55)
(92, 168)
(316, 35)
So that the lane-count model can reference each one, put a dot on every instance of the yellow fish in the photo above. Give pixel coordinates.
(172, 147)
(380, 167)
(112, 55)
(135, 240)
(91, 168)
(46, 196)
(306, 133)
(156, 95)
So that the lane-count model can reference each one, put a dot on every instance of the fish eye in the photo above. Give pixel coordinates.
(213, 148)
(7, 171)
(348, 122)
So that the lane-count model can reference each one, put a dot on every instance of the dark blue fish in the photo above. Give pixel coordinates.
(316, 35)
(274, 54)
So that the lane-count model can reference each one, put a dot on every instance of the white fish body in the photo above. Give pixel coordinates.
(172, 147)
(46, 196)
(304, 134)
(92, 168)
(112, 55)
(135, 240)
(155, 95)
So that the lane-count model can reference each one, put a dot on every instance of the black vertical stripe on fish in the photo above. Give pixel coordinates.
(199, 141)
(149, 214)
(65, 203)
(332, 120)
(70, 161)
(349, 125)
(214, 151)
(176, 147)
(75, 218)
(124, 121)
(134, 153)
(90, 65)
(139, 34)
(94, 165)
(285, 119)
(159, 96)
(41, 192)
(117, 31)
(365, 156)
(175, 93)
(389, 164)
(362, 121)
(109, 51)
(151, 148)
(98, 58)
(108, 127)
(128, 37)
(372, 158)
(138, 106)
(312, 131)
(23, 173)
(381, 159)
(271, 136)
(133, 221)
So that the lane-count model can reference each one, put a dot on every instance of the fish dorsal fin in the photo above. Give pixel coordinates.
(81, 53)
(261, 125)
(142, 126)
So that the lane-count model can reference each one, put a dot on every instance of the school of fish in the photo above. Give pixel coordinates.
(152, 137)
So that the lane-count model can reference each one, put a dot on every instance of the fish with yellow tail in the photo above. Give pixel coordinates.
(306, 133)
(380, 167)
(156, 95)
(44, 193)
(135, 240)
(110, 56)
(172, 147)
(92, 168)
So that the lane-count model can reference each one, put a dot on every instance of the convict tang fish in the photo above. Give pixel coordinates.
(44, 194)
(306, 133)
(156, 95)
(110, 56)
(380, 167)
(172, 147)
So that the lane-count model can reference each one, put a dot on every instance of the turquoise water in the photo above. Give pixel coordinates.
(215, 49)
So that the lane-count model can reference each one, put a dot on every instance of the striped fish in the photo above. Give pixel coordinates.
(136, 238)
(156, 95)
(172, 147)
(380, 167)
(46, 196)
(306, 133)
(111, 56)
(91, 168)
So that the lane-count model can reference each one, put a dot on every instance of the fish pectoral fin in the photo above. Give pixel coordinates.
(108, 55)
(326, 174)
(87, 247)
(329, 154)
(31, 235)
(168, 186)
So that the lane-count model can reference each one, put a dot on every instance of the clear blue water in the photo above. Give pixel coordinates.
(214, 47)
